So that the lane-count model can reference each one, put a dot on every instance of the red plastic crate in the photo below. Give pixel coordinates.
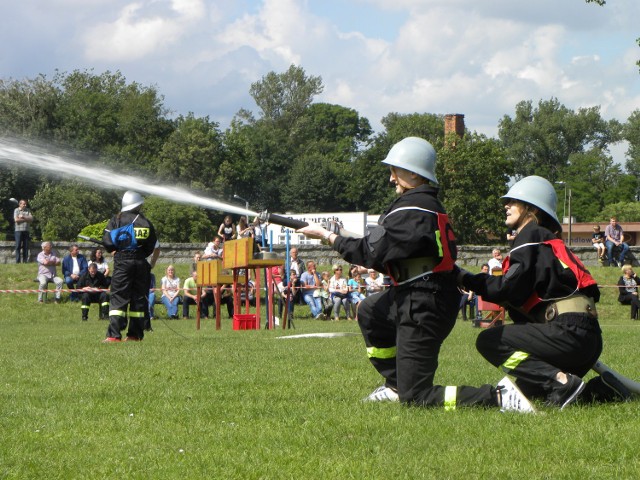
(245, 322)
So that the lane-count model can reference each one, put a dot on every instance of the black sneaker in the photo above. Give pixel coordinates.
(565, 394)
(622, 393)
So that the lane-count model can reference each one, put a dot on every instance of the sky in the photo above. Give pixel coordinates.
(474, 57)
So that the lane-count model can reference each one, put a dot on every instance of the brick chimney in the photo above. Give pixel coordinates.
(454, 123)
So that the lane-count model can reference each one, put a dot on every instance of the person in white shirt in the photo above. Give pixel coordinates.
(214, 249)
(374, 282)
(496, 261)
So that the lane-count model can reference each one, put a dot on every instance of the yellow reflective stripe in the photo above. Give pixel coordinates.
(117, 313)
(136, 314)
(564, 265)
(104, 304)
(450, 395)
(514, 360)
(84, 306)
(439, 243)
(374, 352)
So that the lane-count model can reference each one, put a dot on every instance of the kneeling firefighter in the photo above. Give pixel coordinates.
(404, 326)
(550, 295)
(131, 238)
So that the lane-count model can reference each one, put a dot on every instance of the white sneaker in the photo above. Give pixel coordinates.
(512, 399)
(382, 394)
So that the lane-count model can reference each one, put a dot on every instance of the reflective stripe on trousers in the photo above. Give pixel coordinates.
(450, 396)
(382, 353)
(514, 360)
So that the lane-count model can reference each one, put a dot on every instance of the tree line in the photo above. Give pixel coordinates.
(296, 155)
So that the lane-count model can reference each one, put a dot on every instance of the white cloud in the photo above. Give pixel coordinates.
(437, 56)
(137, 33)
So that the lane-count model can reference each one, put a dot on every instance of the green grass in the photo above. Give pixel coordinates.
(245, 404)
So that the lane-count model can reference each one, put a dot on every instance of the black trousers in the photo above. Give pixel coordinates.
(630, 299)
(129, 290)
(403, 329)
(87, 298)
(535, 352)
(204, 306)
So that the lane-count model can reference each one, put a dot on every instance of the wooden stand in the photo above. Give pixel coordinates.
(211, 274)
(237, 256)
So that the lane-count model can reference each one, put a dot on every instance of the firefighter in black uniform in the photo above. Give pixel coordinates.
(131, 238)
(550, 296)
(90, 280)
(404, 326)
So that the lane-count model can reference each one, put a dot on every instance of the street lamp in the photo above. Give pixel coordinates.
(246, 202)
(564, 209)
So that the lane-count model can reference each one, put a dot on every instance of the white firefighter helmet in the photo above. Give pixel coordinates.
(415, 155)
(536, 191)
(131, 200)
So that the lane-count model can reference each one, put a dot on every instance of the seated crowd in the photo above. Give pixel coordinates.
(326, 295)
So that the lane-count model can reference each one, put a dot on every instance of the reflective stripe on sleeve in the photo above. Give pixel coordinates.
(450, 395)
(382, 353)
(514, 360)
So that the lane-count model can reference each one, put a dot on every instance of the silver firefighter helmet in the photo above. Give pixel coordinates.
(131, 200)
(415, 155)
(536, 191)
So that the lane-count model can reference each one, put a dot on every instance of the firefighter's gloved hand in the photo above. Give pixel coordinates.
(460, 274)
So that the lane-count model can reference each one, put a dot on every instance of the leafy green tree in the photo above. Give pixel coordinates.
(369, 188)
(258, 163)
(177, 222)
(191, 156)
(595, 180)
(623, 211)
(284, 97)
(94, 231)
(28, 107)
(539, 140)
(62, 209)
(316, 184)
(261, 152)
(327, 137)
(473, 176)
(424, 125)
(125, 123)
(632, 135)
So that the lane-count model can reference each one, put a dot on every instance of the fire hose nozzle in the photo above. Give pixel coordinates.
(330, 225)
(280, 220)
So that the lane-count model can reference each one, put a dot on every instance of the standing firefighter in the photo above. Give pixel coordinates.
(404, 326)
(131, 238)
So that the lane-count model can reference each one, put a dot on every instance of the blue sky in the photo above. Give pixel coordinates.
(473, 57)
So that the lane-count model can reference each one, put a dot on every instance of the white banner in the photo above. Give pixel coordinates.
(356, 222)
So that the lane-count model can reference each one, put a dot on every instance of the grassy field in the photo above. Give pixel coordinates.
(249, 404)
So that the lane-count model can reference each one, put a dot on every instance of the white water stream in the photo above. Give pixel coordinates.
(13, 153)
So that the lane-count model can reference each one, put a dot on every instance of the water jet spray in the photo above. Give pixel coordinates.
(12, 152)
